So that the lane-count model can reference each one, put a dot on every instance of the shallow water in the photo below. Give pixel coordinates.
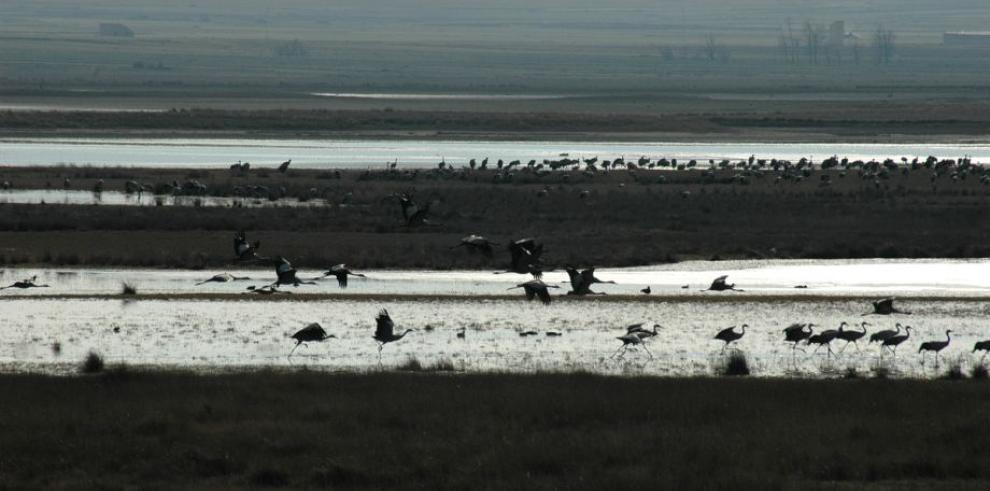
(360, 154)
(118, 198)
(214, 334)
(838, 278)
(217, 334)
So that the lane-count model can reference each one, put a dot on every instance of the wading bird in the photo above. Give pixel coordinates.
(851, 336)
(223, 278)
(893, 342)
(243, 249)
(641, 331)
(284, 166)
(795, 333)
(461, 332)
(886, 307)
(477, 243)
(823, 338)
(719, 285)
(524, 334)
(341, 272)
(881, 336)
(646, 291)
(312, 333)
(536, 288)
(935, 346)
(630, 340)
(385, 331)
(729, 335)
(26, 283)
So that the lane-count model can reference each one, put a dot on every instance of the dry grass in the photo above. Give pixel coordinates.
(415, 431)
(644, 221)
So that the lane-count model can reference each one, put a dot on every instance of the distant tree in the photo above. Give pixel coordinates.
(789, 43)
(713, 50)
(883, 44)
(813, 37)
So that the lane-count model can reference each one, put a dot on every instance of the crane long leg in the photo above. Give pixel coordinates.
(294, 348)
(621, 348)
(648, 351)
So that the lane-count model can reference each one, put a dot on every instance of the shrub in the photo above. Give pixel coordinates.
(735, 365)
(411, 365)
(954, 372)
(92, 364)
(979, 372)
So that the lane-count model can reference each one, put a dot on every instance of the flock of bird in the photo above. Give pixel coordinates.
(526, 258)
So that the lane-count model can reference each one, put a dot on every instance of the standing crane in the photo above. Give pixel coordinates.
(851, 336)
(729, 335)
(935, 346)
(881, 336)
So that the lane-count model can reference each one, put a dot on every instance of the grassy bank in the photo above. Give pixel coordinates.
(415, 431)
(615, 219)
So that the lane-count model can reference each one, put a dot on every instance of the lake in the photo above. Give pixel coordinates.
(360, 154)
(249, 331)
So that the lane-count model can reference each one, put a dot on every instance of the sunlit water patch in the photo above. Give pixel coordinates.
(839, 278)
(410, 154)
(214, 335)
(117, 198)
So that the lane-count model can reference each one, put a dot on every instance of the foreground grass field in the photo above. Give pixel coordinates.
(424, 431)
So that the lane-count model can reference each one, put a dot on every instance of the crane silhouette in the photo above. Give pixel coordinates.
(284, 166)
(341, 272)
(536, 288)
(31, 282)
(893, 342)
(223, 278)
(641, 331)
(385, 332)
(581, 282)
(312, 333)
(729, 335)
(243, 249)
(720, 284)
(886, 307)
(824, 338)
(935, 346)
(413, 214)
(795, 333)
(477, 243)
(286, 274)
(525, 257)
(851, 336)
(629, 340)
(881, 336)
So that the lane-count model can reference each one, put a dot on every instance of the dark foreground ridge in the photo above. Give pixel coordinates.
(122, 429)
